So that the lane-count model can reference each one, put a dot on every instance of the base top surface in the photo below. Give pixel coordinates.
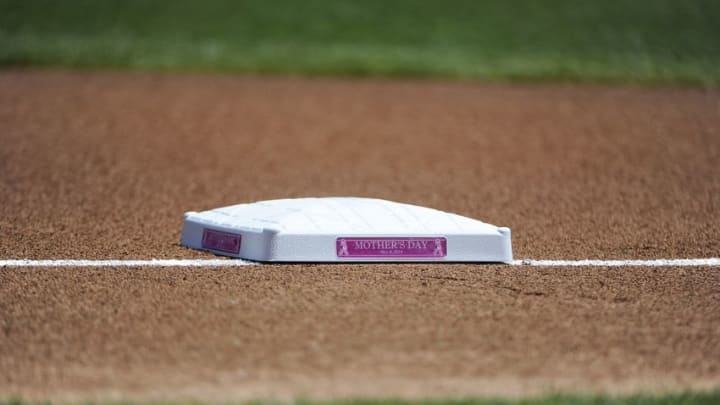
(341, 215)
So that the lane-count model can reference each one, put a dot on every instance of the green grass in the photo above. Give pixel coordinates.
(667, 41)
(706, 398)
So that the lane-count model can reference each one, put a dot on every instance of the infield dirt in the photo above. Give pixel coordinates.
(103, 165)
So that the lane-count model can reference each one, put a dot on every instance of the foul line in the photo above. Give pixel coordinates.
(713, 261)
(127, 263)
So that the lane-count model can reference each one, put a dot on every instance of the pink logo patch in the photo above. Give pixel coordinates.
(391, 247)
(221, 241)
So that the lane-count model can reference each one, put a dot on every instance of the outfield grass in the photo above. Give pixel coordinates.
(707, 398)
(615, 40)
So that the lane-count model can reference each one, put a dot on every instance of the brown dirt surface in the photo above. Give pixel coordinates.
(102, 165)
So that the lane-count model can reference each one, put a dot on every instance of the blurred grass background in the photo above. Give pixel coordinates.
(667, 41)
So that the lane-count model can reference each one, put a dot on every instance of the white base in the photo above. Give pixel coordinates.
(344, 229)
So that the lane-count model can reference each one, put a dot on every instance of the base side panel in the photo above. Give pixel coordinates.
(227, 241)
(457, 248)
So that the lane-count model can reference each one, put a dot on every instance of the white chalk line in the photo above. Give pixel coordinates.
(127, 263)
(712, 261)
